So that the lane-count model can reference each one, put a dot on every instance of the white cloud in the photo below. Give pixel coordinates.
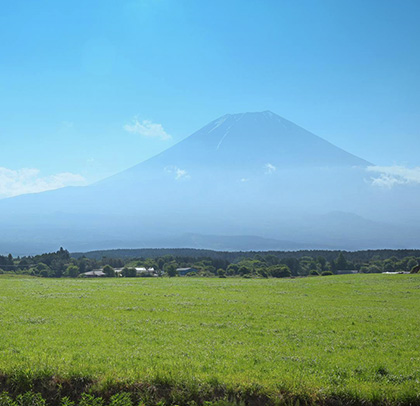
(146, 128)
(28, 180)
(389, 176)
(269, 168)
(180, 174)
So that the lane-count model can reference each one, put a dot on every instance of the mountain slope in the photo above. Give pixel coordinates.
(255, 139)
(248, 142)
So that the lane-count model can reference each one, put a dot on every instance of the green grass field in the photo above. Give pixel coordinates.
(352, 339)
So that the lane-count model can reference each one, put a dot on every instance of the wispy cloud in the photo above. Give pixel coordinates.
(147, 128)
(269, 168)
(66, 125)
(180, 174)
(389, 176)
(28, 180)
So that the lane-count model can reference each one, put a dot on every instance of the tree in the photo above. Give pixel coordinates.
(47, 273)
(72, 271)
(160, 263)
(263, 272)
(129, 272)
(415, 269)
(280, 271)
(374, 269)
(293, 264)
(221, 273)
(82, 265)
(170, 269)
(41, 266)
(232, 269)
(388, 266)
(244, 270)
(364, 269)
(411, 263)
(271, 259)
(341, 263)
(211, 269)
(109, 271)
(322, 263)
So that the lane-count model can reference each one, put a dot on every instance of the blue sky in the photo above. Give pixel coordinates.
(89, 88)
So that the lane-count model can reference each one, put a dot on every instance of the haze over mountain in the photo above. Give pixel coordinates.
(256, 179)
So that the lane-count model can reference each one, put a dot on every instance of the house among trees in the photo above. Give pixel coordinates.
(143, 270)
(93, 274)
(184, 271)
(137, 271)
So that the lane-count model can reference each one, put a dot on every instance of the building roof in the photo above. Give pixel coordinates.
(94, 273)
(138, 269)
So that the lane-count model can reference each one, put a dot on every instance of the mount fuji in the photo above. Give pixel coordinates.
(244, 181)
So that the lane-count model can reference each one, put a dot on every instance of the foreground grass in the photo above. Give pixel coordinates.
(329, 340)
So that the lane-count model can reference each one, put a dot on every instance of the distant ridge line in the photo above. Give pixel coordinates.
(232, 256)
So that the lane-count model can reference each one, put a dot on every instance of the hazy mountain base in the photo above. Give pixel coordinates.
(192, 214)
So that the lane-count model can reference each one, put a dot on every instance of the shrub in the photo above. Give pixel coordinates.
(66, 402)
(415, 269)
(6, 400)
(374, 269)
(232, 269)
(30, 399)
(109, 271)
(72, 271)
(221, 273)
(90, 400)
(121, 399)
(280, 271)
(411, 263)
(326, 273)
(263, 273)
(243, 270)
(314, 272)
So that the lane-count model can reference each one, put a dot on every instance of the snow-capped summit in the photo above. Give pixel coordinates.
(251, 140)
